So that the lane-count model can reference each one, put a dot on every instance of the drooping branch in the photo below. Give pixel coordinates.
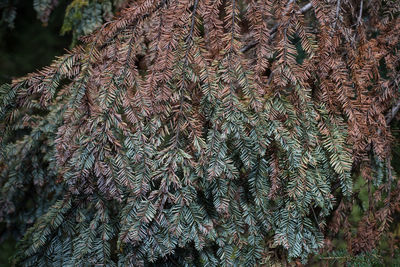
(249, 46)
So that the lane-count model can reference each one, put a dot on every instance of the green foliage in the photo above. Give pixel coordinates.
(203, 206)
(342, 258)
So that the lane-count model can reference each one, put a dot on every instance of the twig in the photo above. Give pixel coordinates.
(390, 177)
(396, 107)
(275, 28)
(392, 113)
(305, 8)
(337, 14)
(360, 14)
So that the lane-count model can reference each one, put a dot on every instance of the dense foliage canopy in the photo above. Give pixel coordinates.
(206, 132)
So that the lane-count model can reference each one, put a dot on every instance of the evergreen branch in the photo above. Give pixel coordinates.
(272, 32)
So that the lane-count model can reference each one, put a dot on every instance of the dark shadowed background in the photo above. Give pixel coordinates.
(27, 47)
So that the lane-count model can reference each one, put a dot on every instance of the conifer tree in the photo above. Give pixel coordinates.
(206, 133)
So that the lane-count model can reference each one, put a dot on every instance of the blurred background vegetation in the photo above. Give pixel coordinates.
(26, 46)
(30, 44)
